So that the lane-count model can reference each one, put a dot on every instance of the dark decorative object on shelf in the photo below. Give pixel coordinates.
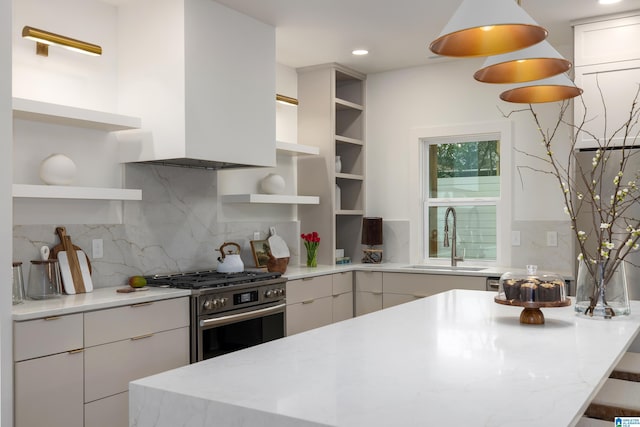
(372, 236)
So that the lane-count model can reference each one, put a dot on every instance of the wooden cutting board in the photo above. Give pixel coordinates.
(70, 266)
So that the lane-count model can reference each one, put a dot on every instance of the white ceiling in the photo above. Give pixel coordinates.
(396, 32)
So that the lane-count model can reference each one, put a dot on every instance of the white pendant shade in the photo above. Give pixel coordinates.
(556, 88)
(533, 63)
(487, 27)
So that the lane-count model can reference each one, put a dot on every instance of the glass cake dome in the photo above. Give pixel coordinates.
(532, 287)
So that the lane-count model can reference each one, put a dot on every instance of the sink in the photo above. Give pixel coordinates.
(446, 268)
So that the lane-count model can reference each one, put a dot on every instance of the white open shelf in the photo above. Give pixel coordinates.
(271, 198)
(350, 176)
(342, 104)
(296, 149)
(350, 212)
(340, 138)
(71, 116)
(67, 192)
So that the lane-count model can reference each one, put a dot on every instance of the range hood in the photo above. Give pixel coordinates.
(206, 94)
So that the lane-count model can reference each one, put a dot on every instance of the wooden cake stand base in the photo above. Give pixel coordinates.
(532, 315)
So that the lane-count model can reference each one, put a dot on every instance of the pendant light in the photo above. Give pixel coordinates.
(556, 88)
(533, 63)
(487, 27)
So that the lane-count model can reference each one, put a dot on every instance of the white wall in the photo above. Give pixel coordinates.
(445, 94)
(6, 325)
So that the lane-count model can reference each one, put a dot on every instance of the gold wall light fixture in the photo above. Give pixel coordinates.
(286, 100)
(552, 89)
(532, 63)
(487, 27)
(45, 38)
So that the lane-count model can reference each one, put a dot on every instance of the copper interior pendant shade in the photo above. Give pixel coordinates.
(556, 88)
(533, 63)
(487, 27)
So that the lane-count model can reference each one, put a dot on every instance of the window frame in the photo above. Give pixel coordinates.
(502, 131)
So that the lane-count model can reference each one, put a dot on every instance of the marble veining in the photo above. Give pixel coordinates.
(174, 228)
(456, 358)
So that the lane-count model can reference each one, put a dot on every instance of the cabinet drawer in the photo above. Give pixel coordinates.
(342, 283)
(109, 368)
(342, 306)
(369, 281)
(48, 391)
(309, 315)
(112, 411)
(115, 324)
(423, 285)
(368, 302)
(41, 337)
(309, 288)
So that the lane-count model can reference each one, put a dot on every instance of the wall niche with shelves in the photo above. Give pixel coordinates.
(331, 116)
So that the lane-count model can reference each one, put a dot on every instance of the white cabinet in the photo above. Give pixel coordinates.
(404, 287)
(368, 288)
(216, 70)
(75, 370)
(342, 296)
(318, 301)
(48, 372)
(607, 60)
(309, 303)
(606, 40)
(48, 391)
(127, 343)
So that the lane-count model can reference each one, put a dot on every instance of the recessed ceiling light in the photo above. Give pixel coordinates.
(608, 1)
(360, 52)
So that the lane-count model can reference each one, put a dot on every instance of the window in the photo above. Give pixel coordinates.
(463, 172)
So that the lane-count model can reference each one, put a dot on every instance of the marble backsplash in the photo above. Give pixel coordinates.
(174, 228)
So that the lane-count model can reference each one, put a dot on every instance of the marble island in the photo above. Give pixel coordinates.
(455, 358)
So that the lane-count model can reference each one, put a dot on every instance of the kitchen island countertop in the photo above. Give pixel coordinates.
(455, 358)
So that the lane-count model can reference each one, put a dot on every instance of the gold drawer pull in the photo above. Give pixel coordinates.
(52, 318)
(419, 296)
(141, 337)
(308, 302)
(307, 278)
(76, 351)
(376, 292)
(142, 304)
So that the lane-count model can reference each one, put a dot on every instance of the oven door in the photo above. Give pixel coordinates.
(227, 332)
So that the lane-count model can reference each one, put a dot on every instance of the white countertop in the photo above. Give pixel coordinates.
(455, 358)
(299, 271)
(98, 299)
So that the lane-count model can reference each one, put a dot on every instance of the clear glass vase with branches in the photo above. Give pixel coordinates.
(615, 229)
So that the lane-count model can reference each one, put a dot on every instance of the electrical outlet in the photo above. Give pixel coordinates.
(552, 238)
(515, 238)
(97, 249)
(256, 235)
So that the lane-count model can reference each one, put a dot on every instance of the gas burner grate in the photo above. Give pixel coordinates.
(208, 279)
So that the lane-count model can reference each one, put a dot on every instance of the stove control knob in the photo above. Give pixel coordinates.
(279, 292)
(269, 294)
(223, 301)
(208, 305)
(216, 303)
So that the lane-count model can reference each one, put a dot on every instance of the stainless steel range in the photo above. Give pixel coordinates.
(230, 311)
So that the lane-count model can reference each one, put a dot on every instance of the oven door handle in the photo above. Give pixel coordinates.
(233, 318)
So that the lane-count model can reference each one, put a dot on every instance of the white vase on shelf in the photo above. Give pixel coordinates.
(338, 164)
(272, 184)
(338, 198)
(57, 169)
